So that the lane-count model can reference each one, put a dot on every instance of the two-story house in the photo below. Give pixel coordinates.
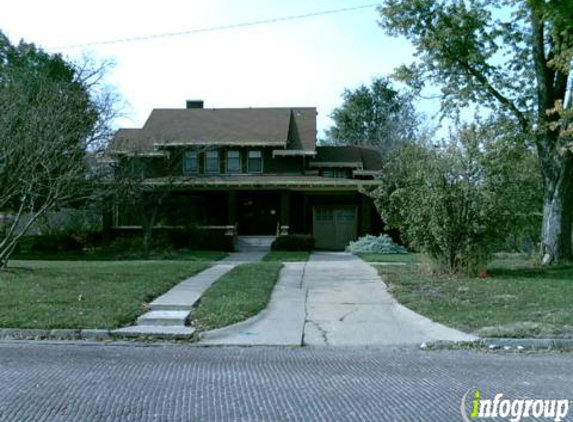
(253, 171)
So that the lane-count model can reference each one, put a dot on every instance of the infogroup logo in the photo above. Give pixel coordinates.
(514, 410)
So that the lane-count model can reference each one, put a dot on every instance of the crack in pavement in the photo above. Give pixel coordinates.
(343, 317)
(322, 331)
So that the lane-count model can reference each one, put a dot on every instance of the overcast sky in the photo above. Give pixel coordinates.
(304, 62)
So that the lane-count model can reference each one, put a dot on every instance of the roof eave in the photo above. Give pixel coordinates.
(293, 153)
(161, 145)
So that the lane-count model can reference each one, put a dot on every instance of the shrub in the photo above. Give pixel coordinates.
(167, 240)
(382, 244)
(205, 239)
(53, 243)
(125, 243)
(91, 238)
(459, 200)
(293, 242)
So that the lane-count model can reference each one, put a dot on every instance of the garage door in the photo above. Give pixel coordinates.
(334, 226)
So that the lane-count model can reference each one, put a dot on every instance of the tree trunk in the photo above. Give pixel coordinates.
(557, 226)
(148, 230)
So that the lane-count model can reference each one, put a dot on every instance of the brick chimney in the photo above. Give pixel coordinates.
(194, 104)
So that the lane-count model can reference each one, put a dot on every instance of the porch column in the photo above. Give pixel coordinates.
(232, 208)
(285, 208)
(365, 215)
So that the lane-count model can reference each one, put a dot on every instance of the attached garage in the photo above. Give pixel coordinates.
(334, 226)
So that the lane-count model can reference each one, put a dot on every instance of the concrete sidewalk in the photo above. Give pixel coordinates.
(281, 323)
(348, 305)
(168, 313)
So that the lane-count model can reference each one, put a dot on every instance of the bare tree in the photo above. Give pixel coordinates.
(143, 196)
(53, 118)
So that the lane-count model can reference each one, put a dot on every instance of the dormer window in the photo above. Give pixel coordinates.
(255, 162)
(233, 162)
(190, 162)
(212, 162)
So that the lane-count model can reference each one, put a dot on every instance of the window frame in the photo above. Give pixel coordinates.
(186, 170)
(207, 158)
(240, 163)
(249, 161)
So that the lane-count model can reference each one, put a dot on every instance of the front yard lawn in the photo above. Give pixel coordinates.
(397, 257)
(514, 301)
(80, 294)
(110, 255)
(241, 293)
(286, 256)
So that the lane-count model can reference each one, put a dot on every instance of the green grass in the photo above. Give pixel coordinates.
(80, 294)
(238, 295)
(108, 255)
(375, 257)
(285, 256)
(516, 300)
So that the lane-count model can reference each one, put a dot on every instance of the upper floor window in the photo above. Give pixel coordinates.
(212, 162)
(233, 162)
(190, 162)
(336, 173)
(136, 167)
(255, 162)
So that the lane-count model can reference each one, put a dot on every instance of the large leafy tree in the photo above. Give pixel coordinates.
(51, 122)
(378, 116)
(512, 58)
(460, 199)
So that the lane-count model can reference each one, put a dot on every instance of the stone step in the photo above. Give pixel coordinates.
(163, 318)
(256, 240)
(156, 331)
(170, 307)
(254, 243)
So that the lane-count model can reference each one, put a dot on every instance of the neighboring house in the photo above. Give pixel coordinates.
(252, 171)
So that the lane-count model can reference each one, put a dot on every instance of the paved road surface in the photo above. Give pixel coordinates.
(69, 382)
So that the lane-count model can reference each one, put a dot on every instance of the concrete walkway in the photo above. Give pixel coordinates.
(168, 313)
(334, 299)
(281, 323)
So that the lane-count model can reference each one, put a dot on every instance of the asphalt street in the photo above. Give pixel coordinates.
(50, 381)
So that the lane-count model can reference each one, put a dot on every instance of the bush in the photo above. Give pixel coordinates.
(293, 242)
(459, 200)
(202, 239)
(51, 243)
(382, 244)
(167, 240)
(92, 238)
(125, 243)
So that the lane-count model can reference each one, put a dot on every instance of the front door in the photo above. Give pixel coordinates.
(258, 213)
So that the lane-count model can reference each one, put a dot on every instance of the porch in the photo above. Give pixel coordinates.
(333, 217)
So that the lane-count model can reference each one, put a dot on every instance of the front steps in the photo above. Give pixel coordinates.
(163, 318)
(168, 324)
(254, 243)
(169, 313)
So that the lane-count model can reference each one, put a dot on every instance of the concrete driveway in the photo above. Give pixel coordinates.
(334, 299)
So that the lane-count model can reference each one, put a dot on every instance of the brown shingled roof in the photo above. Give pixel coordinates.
(341, 156)
(292, 128)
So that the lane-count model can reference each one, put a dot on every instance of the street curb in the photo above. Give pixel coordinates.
(56, 334)
(529, 343)
(91, 334)
(506, 344)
